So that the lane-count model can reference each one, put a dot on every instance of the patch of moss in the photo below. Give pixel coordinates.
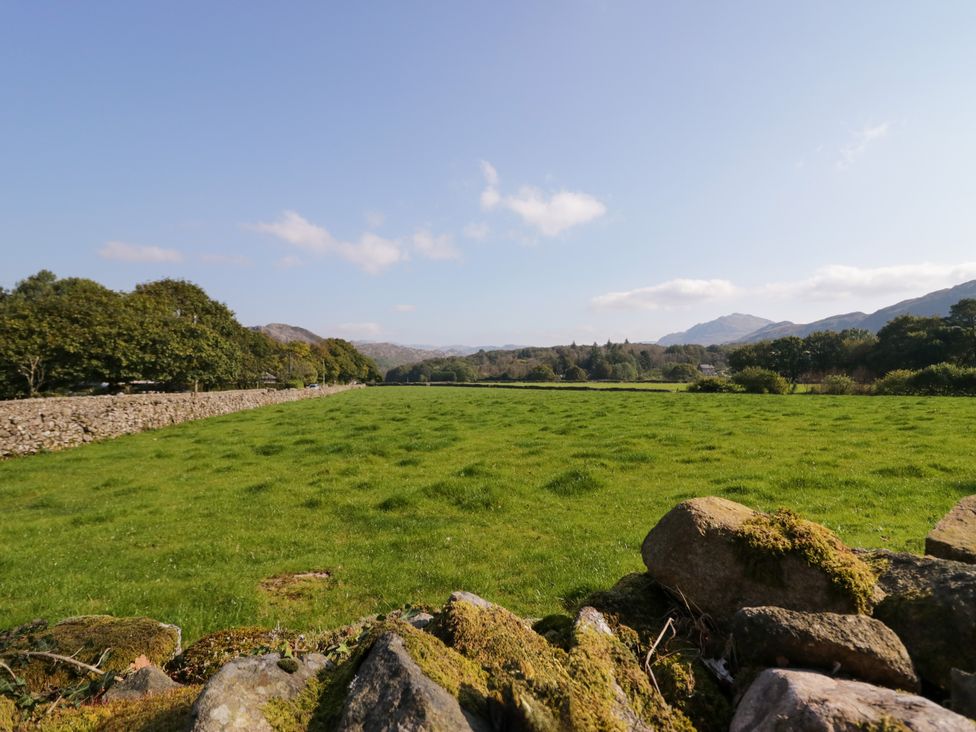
(9, 716)
(203, 659)
(86, 639)
(784, 532)
(160, 713)
(886, 724)
(557, 629)
(318, 707)
(688, 686)
(602, 669)
(598, 684)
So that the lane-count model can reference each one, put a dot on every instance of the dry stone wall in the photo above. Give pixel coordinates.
(31, 425)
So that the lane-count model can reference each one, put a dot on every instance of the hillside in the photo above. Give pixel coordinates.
(391, 355)
(284, 333)
(735, 328)
(726, 329)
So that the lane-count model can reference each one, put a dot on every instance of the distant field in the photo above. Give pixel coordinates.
(403, 494)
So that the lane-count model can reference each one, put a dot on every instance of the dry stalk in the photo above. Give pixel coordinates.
(64, 659)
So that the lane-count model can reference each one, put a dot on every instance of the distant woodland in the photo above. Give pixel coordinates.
(907, 342)
(73, 334)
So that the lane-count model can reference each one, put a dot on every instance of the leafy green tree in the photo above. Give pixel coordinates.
(962, 324)
(574, 373)
(542, 372)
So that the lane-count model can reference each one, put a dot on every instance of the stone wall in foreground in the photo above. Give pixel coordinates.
(30, 425)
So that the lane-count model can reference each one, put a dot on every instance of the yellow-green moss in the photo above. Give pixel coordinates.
(545, 687)
(160, 713)
(206, 656)
(886, 724)
(688, 686)
(598, 663)
(466, 681)
(9, 715)
(86, 639)
(318, 707)
(783, 532)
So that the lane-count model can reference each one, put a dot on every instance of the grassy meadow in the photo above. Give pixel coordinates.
(530, 498)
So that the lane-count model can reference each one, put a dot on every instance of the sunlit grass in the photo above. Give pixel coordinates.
(404, 494)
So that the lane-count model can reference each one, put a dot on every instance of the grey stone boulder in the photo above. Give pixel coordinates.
(852, 645)
(723, 556)
(963, 692)
(781, 699)
(954, 537)
(390, 692)
(148, 681)
(233, 698)
(931, 605)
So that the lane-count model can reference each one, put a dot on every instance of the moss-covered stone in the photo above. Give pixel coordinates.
(688, 686)
(161, 713)
(783, 532)
(598, 684)
(609, 685)
(203, 659)
(112, 642)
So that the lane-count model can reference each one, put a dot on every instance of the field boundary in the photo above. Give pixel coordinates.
(31, 425)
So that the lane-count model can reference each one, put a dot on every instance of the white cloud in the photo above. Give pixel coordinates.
(372, 253)
(435, 247)
(123, 252)
(668, 294)
(489, 172)
(859, 143)
(555, 214)
(549, 214)
(360, 329)
(477, 230)
(403, 308)
(231, 260)
(837, 282)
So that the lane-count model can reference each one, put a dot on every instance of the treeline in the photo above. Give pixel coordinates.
(60, 335)
(908, 342)
(612, 362)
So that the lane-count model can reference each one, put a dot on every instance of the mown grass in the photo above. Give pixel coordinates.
(530, 498)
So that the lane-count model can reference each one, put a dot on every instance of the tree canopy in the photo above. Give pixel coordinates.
(63, 334)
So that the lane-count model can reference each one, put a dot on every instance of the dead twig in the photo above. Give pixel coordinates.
(63, 659)
(650, 652)
(10, 671)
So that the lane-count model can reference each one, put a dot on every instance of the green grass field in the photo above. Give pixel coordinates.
(529, 498)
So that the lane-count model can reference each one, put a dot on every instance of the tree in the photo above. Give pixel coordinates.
(910, 342)
(574, 373)
(962, 323)
(542, 372)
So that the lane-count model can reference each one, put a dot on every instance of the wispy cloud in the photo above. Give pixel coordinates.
(859, 143)
(124, 252)
(837, 282)
(370, 252)
(435, 247)
(360, 330)
(550, 214)
(668, 294)
(477, 230)
(230, 260)
(404, 308)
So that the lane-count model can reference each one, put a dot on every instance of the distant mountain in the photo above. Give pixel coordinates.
(934, 303)
(785, 328)
(287, 333)
(726, 329)
(390, 355)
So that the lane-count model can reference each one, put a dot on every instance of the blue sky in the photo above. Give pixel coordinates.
(524, 172)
